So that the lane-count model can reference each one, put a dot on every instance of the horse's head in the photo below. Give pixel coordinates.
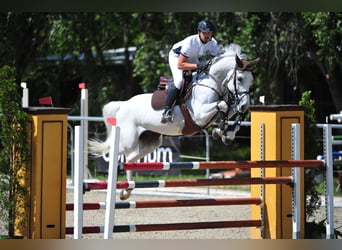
(239, 80)
(232, 70)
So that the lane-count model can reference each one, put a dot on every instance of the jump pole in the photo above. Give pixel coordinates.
(78, 182)
(84, 125)
(296, 192)
(112, 176)
(221, 164)
(171, 203)
(329, 192)
(102, 185)
(170, 226)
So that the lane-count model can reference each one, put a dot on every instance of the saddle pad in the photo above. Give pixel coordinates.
(158, 100)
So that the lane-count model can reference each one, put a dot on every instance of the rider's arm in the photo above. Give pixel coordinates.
(184, 64)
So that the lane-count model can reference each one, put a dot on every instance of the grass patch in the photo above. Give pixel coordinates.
(320, 188)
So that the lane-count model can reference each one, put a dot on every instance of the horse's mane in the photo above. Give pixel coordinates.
(230, 51)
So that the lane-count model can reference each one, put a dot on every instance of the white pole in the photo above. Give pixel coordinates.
(84, 123)
(72, 158)
(337, 117)
(88, 118)
(207, 156)
(25, 97)
(329, 182)
(78, 183)
(296, 219)
(111, 185)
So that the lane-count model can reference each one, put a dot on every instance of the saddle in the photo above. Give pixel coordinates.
(158, 102)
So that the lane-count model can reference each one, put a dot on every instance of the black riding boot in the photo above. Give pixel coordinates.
(172, 94)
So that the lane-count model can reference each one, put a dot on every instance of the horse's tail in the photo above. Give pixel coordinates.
(97, 147)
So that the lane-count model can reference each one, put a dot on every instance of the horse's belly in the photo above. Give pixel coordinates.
(138, 113)
(152, 122)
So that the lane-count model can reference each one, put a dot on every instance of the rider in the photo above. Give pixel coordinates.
(189, 54)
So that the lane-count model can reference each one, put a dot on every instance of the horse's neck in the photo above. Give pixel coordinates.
(206, 92)
(220, 69)
(211, 83)
(203, 92)
(202, 101)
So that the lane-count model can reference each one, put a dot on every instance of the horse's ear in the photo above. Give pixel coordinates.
(244, 64)
(255, 61)
(238, 61)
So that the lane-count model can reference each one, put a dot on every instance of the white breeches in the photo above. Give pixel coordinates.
(177, 74)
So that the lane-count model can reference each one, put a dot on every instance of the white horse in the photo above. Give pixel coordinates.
(224, 89)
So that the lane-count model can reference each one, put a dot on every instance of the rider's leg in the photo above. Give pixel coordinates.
(172, 95)
(174, 89)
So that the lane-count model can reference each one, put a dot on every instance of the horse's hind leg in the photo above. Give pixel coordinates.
(126, 193)
(148, 141)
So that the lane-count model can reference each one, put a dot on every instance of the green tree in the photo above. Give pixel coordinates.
(311, 147)
(299, 52)
(23, 35)
(325, 49)
(14, 154)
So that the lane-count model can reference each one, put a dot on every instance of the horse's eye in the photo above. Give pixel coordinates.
(240, 78)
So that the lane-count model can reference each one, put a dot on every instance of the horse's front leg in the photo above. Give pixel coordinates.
(222, 108)
(229, 135)
(221, 131)
(208, 111)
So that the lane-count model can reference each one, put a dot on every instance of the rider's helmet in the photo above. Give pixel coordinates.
(205, 26)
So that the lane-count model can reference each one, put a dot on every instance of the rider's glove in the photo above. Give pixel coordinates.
(203, 67)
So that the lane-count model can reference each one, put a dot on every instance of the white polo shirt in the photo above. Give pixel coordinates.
(192, 48)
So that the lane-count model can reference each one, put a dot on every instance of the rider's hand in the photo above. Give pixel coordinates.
(203, 67)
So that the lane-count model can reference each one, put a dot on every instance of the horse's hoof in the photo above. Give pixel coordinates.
(125, 194)
(215, 134)
(226, 141)
(222, 106)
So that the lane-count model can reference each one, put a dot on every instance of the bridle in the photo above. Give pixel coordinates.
(235, 97)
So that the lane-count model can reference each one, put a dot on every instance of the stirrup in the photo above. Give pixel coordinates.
(167, 116)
